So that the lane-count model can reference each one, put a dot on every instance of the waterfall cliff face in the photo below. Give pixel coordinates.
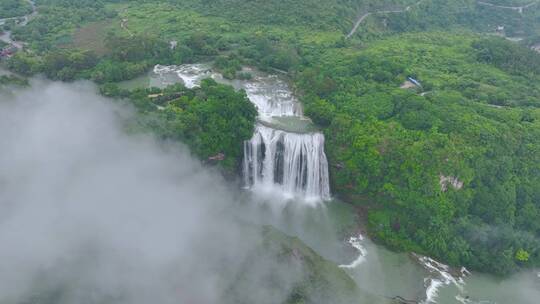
(292, 165)
(281, 162)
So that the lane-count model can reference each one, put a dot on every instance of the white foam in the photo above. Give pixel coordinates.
(272, 98)
(356, 242)
(442, 278)
(191, 74)
(432, 292)
(293, 164)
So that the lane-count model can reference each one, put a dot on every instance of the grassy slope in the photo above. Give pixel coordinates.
(92, 36)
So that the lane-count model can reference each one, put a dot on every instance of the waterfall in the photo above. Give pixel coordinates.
(293, 164)
(276, 161)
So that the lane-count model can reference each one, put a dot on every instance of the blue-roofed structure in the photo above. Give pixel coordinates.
(416, 82)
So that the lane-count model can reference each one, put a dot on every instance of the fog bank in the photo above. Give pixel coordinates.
(90, 214)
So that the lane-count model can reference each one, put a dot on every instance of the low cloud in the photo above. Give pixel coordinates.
(92, 215)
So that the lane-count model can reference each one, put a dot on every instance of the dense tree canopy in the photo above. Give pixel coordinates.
(450, 168)
(212, 120)
(14, 8)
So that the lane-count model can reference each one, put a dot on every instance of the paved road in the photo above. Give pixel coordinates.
(357, 24)
(363, 17)
(515, 8)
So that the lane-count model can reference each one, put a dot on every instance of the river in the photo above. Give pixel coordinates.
(378, 271)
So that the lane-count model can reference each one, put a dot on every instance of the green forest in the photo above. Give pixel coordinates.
(213, 119)
(449, 168)
(474, 119)
(14, 8)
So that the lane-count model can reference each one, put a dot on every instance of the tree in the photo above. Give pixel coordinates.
(522, 256)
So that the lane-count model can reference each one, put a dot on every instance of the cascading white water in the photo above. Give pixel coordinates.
(191, 74)
(274, 101)
(275, 161)
(293, 164)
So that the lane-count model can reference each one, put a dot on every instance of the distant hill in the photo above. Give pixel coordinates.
(503, 17)
(517, 17)
(319, 14)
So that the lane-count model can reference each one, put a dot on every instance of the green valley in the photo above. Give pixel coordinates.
(448, 167)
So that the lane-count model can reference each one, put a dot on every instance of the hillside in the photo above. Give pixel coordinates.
(449, 169)
(323, 281)
(517, 19)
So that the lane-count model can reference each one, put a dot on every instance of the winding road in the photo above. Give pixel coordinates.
(124, 21)
(363, 17)
(515, 8)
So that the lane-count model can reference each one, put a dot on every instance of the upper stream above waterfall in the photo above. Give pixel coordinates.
(270, 94)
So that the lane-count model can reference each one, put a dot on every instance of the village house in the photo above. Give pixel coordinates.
(8, 51)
